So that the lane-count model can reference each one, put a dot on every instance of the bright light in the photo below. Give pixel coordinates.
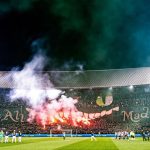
(110, 88)
(131, 87)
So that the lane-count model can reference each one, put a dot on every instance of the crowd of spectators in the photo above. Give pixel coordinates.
(127, 100)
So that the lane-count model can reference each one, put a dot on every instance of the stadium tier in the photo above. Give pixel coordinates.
(86, 79)
(105, 99)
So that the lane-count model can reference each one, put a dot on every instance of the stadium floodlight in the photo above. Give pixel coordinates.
(131, 87)
(110, 88)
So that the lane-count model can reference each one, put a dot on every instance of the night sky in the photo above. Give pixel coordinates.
(98, 34)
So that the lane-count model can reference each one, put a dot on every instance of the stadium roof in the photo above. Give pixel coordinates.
(86, 79)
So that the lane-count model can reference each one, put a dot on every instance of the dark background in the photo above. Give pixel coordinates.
(75, 34)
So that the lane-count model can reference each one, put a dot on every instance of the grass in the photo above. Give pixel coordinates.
(76, 144)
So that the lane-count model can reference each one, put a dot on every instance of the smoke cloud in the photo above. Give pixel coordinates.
(47, 105)
(98, 33)
(108, 31)
(31, 84)
(8, 5)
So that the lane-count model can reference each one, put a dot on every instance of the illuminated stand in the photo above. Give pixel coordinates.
(68, 132)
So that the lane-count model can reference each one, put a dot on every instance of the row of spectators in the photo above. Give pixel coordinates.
(98, 126)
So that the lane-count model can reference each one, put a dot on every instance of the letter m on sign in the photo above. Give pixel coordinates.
(126, 115)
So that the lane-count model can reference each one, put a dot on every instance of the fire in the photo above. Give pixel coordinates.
(48, 114)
